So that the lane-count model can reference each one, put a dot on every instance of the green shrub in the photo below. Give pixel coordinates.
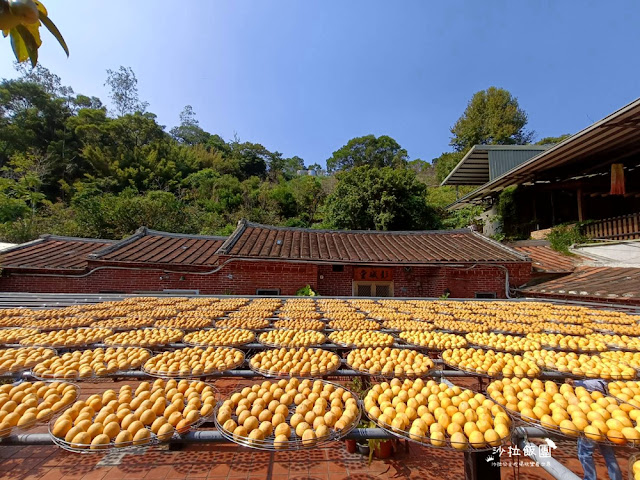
(563, 236)
(306, 291)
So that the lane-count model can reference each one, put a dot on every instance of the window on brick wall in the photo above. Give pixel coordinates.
(485, 294)
(268, 291)
(337, 268)
(373, 289)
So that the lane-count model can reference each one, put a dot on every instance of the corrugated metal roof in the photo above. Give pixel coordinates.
(594, 283)
(475, 166)
(544, 258)
(51, 252)
(252, 240)
(153, 247)
(611, 138)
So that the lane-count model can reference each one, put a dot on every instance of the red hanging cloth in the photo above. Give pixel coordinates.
(617, 179)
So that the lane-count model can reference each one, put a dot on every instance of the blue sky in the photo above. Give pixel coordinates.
(303, 77)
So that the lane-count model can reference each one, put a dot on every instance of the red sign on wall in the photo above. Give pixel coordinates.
(372, 274)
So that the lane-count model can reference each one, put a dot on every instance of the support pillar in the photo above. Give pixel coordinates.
(580, 206)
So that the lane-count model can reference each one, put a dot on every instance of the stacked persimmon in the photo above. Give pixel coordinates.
(145, 337)
(390, 362)
(277, 414)
(438, 414)
(488, 362)
(407, 325)
(568, 410)
(125, 323)
(58, 322)
(630, 330)
(135, 417)
(618, 341)
(98, 362)
(353, 325)
(14, 335)
(295, 362)
(243, 323)
(219, 337)
(291, 338)
(195, 361)
(73, 337)
(461, 326)
(291, 314)
(569, 342)
(433, 340)
(361, 338)
(17, 359)
(24, 404)
(505, 343)
(184, 323)
(300, 324)
(583, 365)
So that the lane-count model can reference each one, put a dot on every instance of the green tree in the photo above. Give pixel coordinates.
(379, 199)
(124, 91)
(310, 196)
(189, 131)
(372, 151)
(445, 163)
(492, 117)
(553, 140)
(249, 159)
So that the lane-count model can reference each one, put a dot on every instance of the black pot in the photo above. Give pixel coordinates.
(363, 449)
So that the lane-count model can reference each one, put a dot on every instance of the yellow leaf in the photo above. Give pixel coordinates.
(19, 47)
(34, 29)
(41, 7)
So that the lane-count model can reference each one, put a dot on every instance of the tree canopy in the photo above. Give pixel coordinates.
(492, 117)
(369, 150)
(69, 166)
(379, 199)
(553, 140)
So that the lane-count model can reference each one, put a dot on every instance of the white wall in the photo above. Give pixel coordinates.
(491, 225)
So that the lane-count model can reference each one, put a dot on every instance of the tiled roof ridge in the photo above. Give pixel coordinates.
(159, 233)
(243, 224)
(144, 232)
(233, 238)
(49, 237)
(139, 233)
(501, 245)
(374, 232)
(232, 245)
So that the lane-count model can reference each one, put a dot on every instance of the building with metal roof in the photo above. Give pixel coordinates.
(570, 181)
(483, 163)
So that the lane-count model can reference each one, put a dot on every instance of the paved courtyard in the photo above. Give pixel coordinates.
(223, 461)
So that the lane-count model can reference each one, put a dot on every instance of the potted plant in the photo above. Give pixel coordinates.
(361, 446)
(382, 448)
(350, 443)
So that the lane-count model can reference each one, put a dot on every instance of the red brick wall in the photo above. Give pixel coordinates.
(246, 277)
(429, 281)
(243, 278)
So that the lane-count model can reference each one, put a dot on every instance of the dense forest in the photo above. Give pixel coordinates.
(71, 166)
